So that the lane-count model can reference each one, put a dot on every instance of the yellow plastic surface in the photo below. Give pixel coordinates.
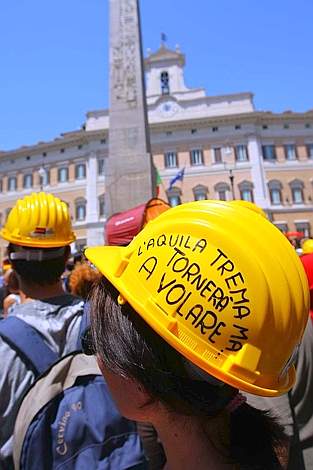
(307, 246)
(222, 285)
(39, 220)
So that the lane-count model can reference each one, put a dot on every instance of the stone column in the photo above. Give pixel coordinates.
(94, 233)
(261, 197)
(128, 170)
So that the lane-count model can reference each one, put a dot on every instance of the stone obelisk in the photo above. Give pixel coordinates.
(129, 174)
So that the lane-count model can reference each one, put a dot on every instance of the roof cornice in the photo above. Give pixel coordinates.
(66, 140)
(254, 117)
(69, 139)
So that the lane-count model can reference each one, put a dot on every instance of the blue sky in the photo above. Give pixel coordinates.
(54, 56)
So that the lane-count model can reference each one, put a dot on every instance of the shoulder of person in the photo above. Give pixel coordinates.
(10, 360)
(9, 300)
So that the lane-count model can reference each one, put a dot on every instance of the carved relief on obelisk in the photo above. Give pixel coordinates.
(128, 173)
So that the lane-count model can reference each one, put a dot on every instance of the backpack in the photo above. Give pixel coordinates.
(67, 419)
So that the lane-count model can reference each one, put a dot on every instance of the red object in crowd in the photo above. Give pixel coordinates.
(121, 228)
(307, 261)
(294, 234)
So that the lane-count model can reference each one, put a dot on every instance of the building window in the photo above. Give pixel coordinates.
(196, 157)
(304, 227)
(297, 187)
(217, 155)
(62, 175)
(241, 153)
(297, 196)
(222, 189)
(200, 192)
(12, 183)
(101, 205)
(309, 149)
(174, 200)
(269, 152)
(165, 83)
(246, 191)
(282, 227)
(170, 160)
(246, 195)
(101, 167)
(275, 189)
(174, 196)
(275, 195)
(290, 152)
(215, 129)
(27, 181)
(80, 171)
(80, 210)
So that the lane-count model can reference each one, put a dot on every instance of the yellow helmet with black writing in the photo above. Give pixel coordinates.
(249, 205)
(222, 286)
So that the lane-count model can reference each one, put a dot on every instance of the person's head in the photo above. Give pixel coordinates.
(11, 281)
(39, 233)
(82, 278)
(209, 298)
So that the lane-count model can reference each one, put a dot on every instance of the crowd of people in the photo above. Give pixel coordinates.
(200, 328)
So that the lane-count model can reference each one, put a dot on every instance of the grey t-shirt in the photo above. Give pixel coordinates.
(301, 399)
(58, 321)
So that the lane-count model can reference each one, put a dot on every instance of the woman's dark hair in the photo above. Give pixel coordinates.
(40, 272)
(129, 347)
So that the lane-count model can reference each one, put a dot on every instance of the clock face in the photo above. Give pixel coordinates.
(168, 109)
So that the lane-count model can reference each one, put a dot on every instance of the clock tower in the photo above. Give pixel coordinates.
(165, 72)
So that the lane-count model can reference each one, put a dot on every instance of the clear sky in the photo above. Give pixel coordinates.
(54, 56)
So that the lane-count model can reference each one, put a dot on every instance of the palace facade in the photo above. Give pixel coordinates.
(227, 148)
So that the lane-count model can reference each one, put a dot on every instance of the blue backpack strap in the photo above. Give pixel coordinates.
(29, 344)
(84, 324)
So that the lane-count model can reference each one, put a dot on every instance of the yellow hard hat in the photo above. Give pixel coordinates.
(307, 246)
(249, 205)
(222, 286)
(39, 220)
